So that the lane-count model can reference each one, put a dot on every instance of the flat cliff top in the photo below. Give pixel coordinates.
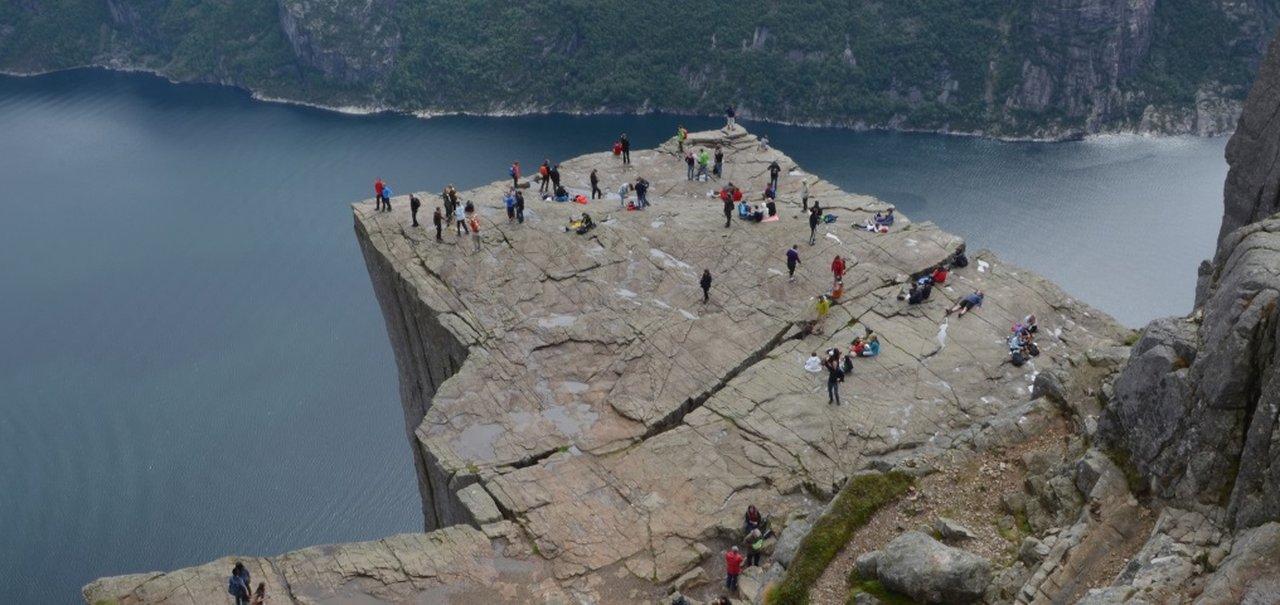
(611, 428)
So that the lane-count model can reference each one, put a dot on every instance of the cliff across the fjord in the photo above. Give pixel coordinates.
(587, 430)
(1037, 68)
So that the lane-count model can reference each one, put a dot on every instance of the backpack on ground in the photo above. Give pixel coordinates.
(1017, 359)
(830, 218)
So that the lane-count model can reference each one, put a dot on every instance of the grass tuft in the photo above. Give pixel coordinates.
(854, 505)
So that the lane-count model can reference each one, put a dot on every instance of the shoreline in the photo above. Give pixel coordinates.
(426, 114)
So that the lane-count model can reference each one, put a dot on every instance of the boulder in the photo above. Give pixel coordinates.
(950, 529)
(928, 571)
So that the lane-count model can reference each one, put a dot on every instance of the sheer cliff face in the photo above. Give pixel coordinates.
(346, 41)
(1198, 406)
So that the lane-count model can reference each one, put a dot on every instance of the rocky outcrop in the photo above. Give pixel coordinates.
(1196, 409)
(571, 396)
(928, 571)
(347, 42)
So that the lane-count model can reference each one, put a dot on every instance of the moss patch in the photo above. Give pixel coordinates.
(875, 589)
(853, 507)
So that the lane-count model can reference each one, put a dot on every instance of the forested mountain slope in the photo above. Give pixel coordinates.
(998, 67)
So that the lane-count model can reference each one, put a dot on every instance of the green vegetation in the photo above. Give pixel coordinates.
(1132, 338)
(912, 63)
(875, 589)
(854, 505)
(1137, 485)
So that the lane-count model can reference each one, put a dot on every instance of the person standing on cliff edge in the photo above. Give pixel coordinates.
(730, 117)
(705, 282)
(515, 174)
(815, 217)
(238, 584)
(414, 205)
(378, 188)
(626, 148)
(595, 185)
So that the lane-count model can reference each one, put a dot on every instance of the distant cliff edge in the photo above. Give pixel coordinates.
(1036, 69)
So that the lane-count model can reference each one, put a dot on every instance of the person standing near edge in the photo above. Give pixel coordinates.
(728, 208)
(438, 220)
(519, 207)
(730, 117)
(681, 134)
(544, 171)
(595, 185)
(793, 259)
(626, 148)
(814, 218)
(378, 187)
(515, 174)
(774, 169)
(414, 205)
(705, 282)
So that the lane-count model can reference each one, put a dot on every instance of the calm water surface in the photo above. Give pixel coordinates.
(192, 362)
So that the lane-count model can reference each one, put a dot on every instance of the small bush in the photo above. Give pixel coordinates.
(854, 506)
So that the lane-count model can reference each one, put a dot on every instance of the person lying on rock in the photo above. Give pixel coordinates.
(967, 303)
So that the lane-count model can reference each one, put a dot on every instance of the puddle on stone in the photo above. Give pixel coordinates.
(571, 419)
(477, 442)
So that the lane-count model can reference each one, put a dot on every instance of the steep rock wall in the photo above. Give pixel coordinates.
(1198, 407)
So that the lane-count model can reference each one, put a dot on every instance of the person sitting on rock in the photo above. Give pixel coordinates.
(813, 363)
(885, 218)
(581, 224)
(939, 275)
(958, 259)
(870, 347)
(562, 194)
(744, 210)
(769, 192)
(757, 214)
(873, 227)
(771, 208)
(755, 545)
(967, 303)
(752, 519)
(1027, 325)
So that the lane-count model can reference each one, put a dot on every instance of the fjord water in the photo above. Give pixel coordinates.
(192, 362)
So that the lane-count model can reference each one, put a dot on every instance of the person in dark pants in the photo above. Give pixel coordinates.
(519, 207)
(814, 218)
(705, 282)
(730, 117)
(238, 585)
(626, 149)
(728, 208)
(414, 205)
(595, 186)
(732, 568)
(544, 171)
(835, 376)
(438, 220)
(774, 169)
(555, 177)
(515, 174)
(793, 259)
(718, 168)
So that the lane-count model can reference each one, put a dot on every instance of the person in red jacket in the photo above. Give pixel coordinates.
(837, 267)
(732, 567)
(515, 174)
(544, 171)
(939, 275)
(378, 188)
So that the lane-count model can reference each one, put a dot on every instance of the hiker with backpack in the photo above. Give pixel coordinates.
(544, 176)
(681, 134)
(238, 584)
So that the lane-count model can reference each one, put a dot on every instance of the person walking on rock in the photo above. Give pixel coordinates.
(515, 174)
(386, 198)
(378, 187)
(705, 282)
(793, 259)
(774, 169)
(732, 568)
(814, 219)
(595, 185)
(626, 148)
(837, 267)
(474, 223)
(688, 161)
(519, 207)
(544, 172)
(414, 205)
(727, 196)
(718, 168)
(438, 220)
(238, 583)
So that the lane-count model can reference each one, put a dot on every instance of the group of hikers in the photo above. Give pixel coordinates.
(238, 586)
